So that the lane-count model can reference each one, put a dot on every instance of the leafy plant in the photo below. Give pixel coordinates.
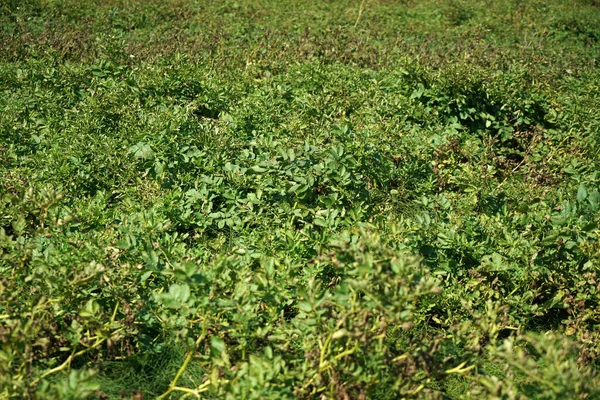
(309, 200)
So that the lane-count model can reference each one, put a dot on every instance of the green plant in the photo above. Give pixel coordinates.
(267, 200)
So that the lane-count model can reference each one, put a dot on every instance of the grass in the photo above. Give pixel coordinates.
(266, 199)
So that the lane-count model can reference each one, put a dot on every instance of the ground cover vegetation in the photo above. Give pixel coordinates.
(308, 199)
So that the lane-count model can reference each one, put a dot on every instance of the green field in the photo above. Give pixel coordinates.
(269, 199)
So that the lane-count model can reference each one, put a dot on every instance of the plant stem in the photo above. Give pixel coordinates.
(363, 4)
(173, 385)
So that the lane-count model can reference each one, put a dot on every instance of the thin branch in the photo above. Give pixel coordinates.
(173, 385)
(363, 5)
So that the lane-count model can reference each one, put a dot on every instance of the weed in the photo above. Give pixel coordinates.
(342, 199)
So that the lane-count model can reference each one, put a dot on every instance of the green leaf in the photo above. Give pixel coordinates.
(594, 199)
(180, 292)
(258, 169)
(142, 150)
(582, 193)
(305, 306)
(19, 224)
(217, 344)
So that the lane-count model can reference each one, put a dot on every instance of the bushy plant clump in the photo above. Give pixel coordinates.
(309, 200)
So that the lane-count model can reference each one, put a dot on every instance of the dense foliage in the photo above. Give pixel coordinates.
(309, 199)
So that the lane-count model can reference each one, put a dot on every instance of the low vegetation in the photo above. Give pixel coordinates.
(311, 199)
